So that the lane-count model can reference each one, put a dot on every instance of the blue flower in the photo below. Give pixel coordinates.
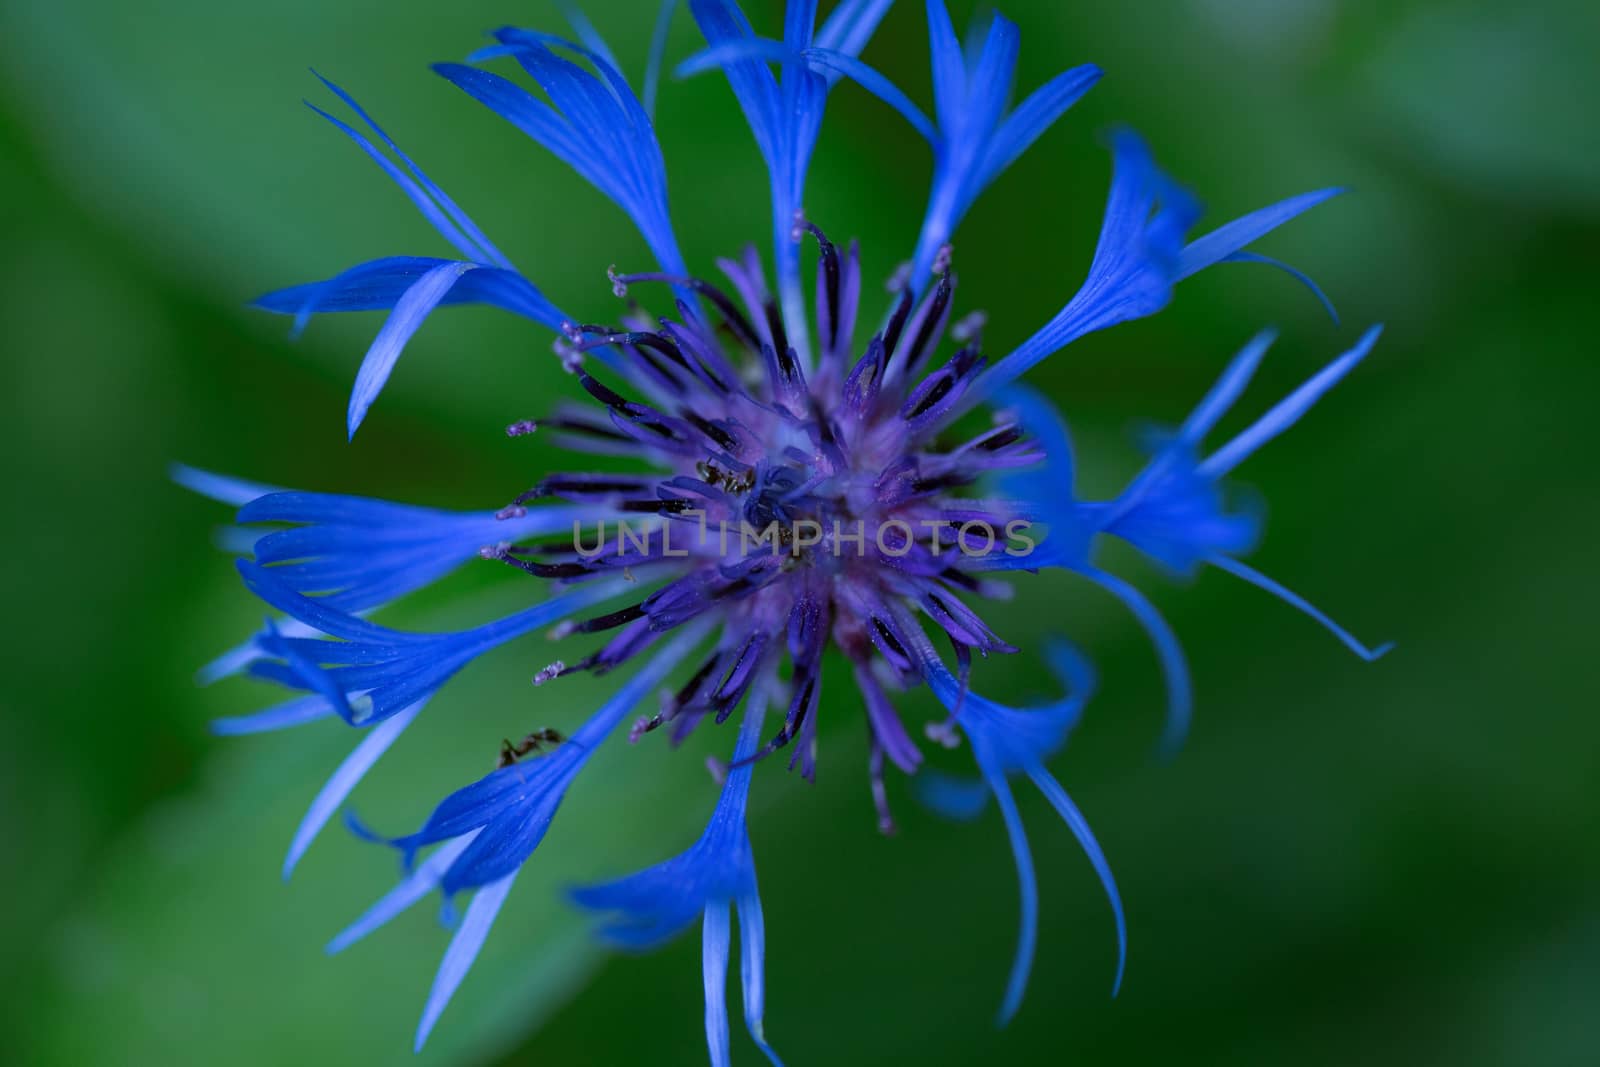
(790, 490)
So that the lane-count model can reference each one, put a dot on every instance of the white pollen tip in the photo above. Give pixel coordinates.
(619, 288)
(717, 769)
(361, 708)
(969, 327)
(899, 279)
(943, 734)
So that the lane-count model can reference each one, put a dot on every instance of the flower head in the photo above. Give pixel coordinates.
(795, 489)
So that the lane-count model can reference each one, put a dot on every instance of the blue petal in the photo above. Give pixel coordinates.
(413, 307)
(598, 127)
(1261, 581)
(1224, 241)
(1182, 519)
(656, 903)
(333, 509)
(784, 117)
(510, 809)
(1007, 740)
(517, 830)
(474, 806)
(1235, 379)
(652, 919)
(587, 33)
(321, 617)
(1050, 489)
(222, 488)
(291, 713)
(878, 85)
(761, 49)
(1171, 512)
(525, 111)
(1298, 275)
(1034, 116)
(360, 553)
(723, 23)
(235, 540)
(1091, 848)
(463, 951)
(451, 222)
(416, 885)
(1015, 737)
(1027, 882)
(1136, 263)
(308, 671)
(412, 888)
(992, 78)
(974, 141)
(961, 799)
(1140, 257)
(344, 780)
(851, 25)
(379, 284)
(1174, 667)
(752, 969)
(1287, 412)
(714, 969)
(415, 192)
(799, 22)
(964, 136)
(1174, 511)
(658, 51)
(381, 671)
(949, 66)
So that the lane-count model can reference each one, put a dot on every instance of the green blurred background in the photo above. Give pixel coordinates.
(1396, 863)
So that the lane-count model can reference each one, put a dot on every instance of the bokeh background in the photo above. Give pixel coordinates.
(1396, 863)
